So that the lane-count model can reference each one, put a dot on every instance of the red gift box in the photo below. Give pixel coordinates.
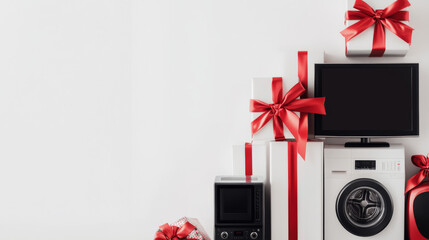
(415, 189)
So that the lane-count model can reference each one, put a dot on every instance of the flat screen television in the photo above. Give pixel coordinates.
(368, 100)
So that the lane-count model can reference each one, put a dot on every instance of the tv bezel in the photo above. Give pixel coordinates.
(414, 131)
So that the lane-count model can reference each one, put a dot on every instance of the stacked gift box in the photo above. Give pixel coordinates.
(291, 165)
(377, 28)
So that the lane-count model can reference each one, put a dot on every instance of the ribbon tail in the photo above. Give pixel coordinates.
(309, 105)
(415, 180)
(379, 41)
(278, 129)
(303, 135)
(401, 16)
(185, 230)
(260, 122)
(400, 29)
(355, 29)
(291, 120)
(395, 7)
(159, 236)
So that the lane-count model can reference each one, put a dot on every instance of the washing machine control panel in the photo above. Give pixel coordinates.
(392, 166)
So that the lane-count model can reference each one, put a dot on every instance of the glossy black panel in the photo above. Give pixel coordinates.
(367, 99)
(421, 213)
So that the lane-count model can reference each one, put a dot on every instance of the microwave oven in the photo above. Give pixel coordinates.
(239, 208)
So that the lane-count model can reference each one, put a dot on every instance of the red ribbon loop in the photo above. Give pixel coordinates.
(389, 18)
(167, 232)
(282, 110)
(423, 163)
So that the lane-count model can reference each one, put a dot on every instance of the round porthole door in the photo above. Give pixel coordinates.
(364, 207)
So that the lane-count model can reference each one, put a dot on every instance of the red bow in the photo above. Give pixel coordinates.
(282, 111)
(389, 18)
(422, 162)
(167, 232)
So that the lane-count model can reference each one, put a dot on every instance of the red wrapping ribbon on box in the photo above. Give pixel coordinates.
(422, 162)
(389, 18)
(282, 110)
(167, 232)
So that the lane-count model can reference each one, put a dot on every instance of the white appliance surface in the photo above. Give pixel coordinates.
(340, 170)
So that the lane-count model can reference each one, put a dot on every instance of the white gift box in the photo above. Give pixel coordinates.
(262, 90)
(260, 162)
(361, 45)
(310, 191)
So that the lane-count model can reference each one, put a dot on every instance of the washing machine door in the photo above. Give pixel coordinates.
(364, 207)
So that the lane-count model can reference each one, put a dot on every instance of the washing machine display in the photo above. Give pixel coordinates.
(364, 207)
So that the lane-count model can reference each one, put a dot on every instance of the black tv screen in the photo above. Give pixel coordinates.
(367, 99)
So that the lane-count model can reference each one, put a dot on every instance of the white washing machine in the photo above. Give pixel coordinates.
(364, 193)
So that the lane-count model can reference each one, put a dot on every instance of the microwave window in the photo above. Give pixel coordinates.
(236, 204)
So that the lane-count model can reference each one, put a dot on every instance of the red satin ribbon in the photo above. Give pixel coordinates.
(293, 190)
(167, 232)
(248, 161)
(422, 162)
(303, 120)
(303, 70)
(281, 111)
(389, 18)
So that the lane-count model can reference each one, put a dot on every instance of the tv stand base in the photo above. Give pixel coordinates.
(365, 142)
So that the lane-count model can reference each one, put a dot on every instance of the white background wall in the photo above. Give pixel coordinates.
(115, 116)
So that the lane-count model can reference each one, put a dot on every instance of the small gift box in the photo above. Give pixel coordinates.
(377, 27)
(184, 228)
(267, 95)
(296, 191)
(251, 159)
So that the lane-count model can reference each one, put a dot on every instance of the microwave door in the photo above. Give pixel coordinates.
(236, 204)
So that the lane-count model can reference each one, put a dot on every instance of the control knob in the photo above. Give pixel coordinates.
(254, 235)
(224, 235)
